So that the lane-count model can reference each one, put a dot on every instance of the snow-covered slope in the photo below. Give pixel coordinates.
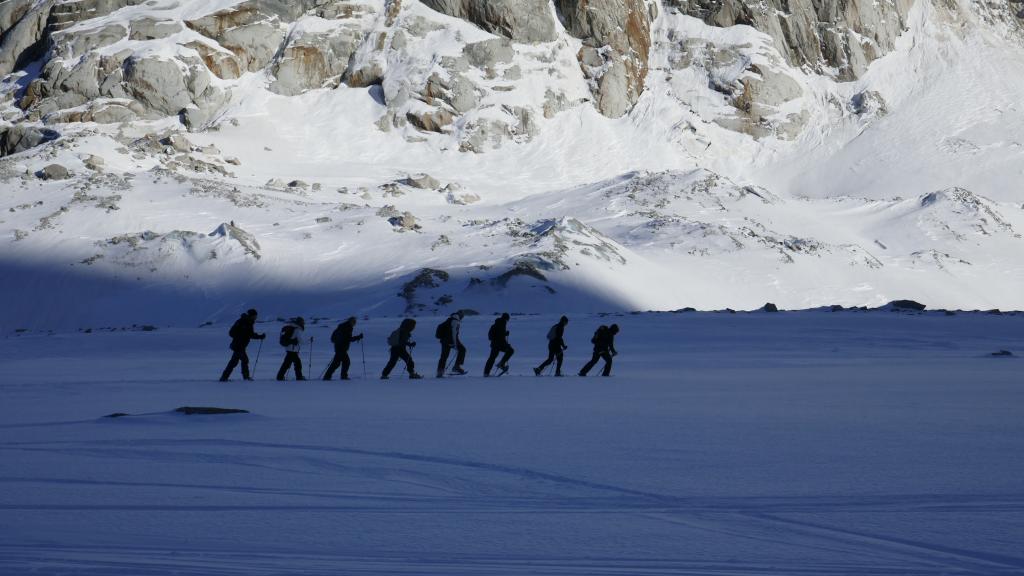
(234, 153)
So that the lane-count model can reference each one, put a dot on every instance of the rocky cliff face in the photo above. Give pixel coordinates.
(479, 72)
(833, 37)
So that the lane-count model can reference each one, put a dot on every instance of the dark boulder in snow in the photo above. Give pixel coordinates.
(769, 307)
(19, 138)
(203, 410)
(1002, 354)
(905, 305)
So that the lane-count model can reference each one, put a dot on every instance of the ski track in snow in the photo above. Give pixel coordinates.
(849, 443)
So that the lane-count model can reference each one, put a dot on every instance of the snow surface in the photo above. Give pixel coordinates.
(793, 443)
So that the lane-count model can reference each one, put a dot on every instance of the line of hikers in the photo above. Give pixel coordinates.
(400, 343)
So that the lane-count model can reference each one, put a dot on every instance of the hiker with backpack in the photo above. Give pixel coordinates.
(242, 332)
(448, 333)
(400, 341)
(556, 348)
(342, 338)
(604, 348)
(498, 335)
(291, 339)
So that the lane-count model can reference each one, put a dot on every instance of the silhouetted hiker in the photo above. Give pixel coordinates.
(400, 341)
(291, 339)
(556, 348)
(242, 331)
(448, 333)
(342, 338)
(604, 347)
(498, 335)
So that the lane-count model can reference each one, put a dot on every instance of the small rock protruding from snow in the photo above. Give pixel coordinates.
(94, 163)
(421, 181)
(455, 195)
(54, 172)
(178, 142)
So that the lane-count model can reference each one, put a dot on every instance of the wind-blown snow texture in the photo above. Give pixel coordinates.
(792, 443)
(736, 178)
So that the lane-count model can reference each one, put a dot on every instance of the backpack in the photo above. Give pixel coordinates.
(494, 333)
(599, 335)
(286, 339)
(552, 333)
(444, 330)
(394, 339)
(336, 335)
(233, 333)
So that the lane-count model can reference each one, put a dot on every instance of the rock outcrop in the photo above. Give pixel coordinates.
(527, 21)
(616, 38)
(21, 137)
(833, 37)
(22, 33)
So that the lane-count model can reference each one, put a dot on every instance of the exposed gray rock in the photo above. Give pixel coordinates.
(178, 142)
(310, 61)
(435, 120)
(223, 63)
(868, 104)
(94, 163)
(250, 30)
(22, 32)
(489, 53)
(54, 172)
(422, 181)
(158, 84)
(151, 29)
(616, 38)
(456, 195)
(528, 21)
(844, 35)
(21, 137)
(405, 222)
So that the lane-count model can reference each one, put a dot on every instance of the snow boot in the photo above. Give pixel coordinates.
(536, 371)
(415, 376)
(458, 370)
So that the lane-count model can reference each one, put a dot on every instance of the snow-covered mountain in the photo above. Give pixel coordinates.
(173, 160)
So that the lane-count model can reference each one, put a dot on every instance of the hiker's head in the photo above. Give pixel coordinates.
(251, 313)
(564, 320)
(614, 328)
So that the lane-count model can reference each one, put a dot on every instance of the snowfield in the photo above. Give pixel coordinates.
(742, 444)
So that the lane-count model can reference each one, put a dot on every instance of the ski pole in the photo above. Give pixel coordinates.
(257, 363)
(362, 351)
(310, 354)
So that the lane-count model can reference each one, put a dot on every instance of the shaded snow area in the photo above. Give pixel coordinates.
(742, 444)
